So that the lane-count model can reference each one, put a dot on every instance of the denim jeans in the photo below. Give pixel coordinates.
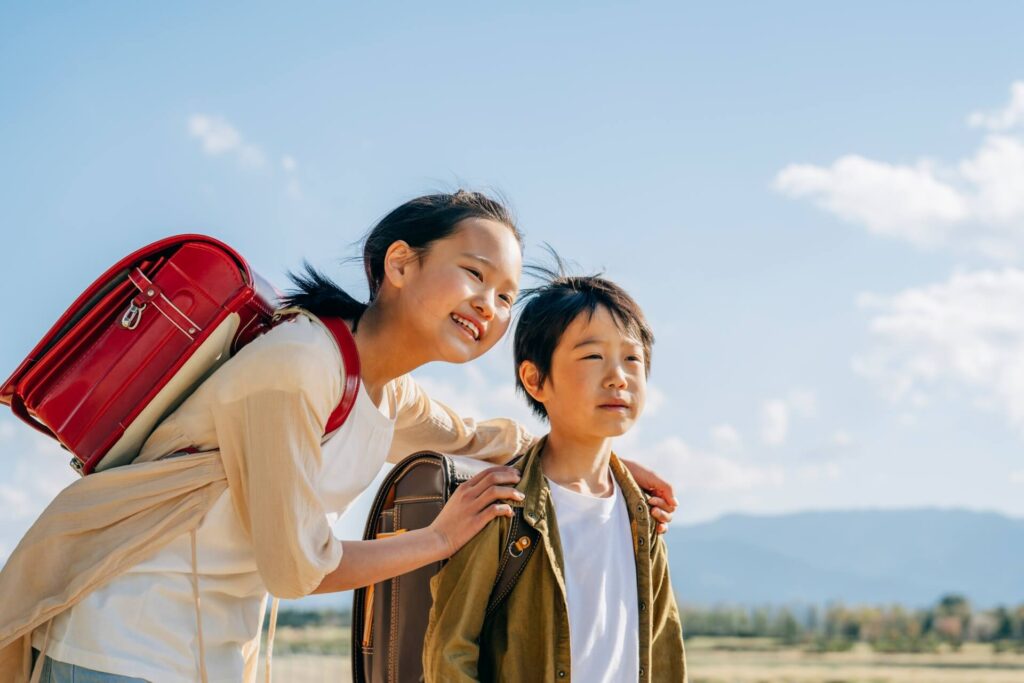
(59, 672)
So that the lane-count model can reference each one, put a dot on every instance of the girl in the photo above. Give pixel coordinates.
(109, 581)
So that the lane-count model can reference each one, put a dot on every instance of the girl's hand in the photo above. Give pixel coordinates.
(473, 505)
(662, 501)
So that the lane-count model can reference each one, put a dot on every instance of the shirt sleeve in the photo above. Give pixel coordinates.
(423, 424)
(269, 412)
(460, 592)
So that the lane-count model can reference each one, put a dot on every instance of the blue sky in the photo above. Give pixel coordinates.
(816, 205)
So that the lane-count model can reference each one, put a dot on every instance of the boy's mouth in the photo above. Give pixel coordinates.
(619, 406)
(469, 326)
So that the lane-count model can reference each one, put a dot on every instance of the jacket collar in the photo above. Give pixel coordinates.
(537, 503)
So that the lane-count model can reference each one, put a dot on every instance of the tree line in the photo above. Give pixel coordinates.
(950, 622)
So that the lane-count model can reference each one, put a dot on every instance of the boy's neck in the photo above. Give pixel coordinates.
(578, 463)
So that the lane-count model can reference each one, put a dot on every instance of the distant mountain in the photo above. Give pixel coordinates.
(911, 557)
(872, 556)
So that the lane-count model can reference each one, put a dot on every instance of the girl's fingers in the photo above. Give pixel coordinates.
(497, 493)
(661, 516)
(662, 527)
(490, 477)
(657, 502)
(498, 510)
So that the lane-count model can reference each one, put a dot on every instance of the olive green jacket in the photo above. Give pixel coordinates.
(527, 638)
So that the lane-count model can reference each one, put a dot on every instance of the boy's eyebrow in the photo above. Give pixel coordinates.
(598, 340)
(588, 340)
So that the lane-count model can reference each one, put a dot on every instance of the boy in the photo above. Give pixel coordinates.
(594, 602)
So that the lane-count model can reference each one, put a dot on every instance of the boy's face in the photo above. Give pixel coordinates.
(598, 384)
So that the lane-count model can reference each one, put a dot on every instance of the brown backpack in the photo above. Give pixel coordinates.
(389, 619)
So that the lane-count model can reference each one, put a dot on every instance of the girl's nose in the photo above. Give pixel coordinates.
(484, 305)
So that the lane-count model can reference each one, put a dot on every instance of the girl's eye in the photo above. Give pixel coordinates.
(475, 273)
(506, 298)
(593, 355)
(637, 359)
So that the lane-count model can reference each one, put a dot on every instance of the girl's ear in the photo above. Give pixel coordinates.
(529, 375)
(396, 262)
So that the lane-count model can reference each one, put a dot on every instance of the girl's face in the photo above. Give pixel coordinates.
(458, 295)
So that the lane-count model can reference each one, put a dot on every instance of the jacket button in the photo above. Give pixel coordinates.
(640, 541)
(643, 606)
(641, 672)
(561, 674)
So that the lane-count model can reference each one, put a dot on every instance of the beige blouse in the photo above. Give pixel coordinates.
(259, 421)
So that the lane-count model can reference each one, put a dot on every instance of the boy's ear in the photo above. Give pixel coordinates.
(396, 262)
(529, 375)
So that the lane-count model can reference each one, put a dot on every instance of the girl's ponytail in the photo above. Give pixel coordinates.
(321, 296)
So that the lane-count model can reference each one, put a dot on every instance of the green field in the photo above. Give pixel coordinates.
(711, 660)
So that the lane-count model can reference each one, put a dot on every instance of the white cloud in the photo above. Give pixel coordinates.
(977, 203)
(288, 163)
(774, 422)
(688, 469)
(1010, 116)
(1017, 477)
(655, 401)
(802, 402)
(817, 472)
(962, 336)
(35, 469)
(726, 439)
(898, 201)
(218, 137)
(777, 414)
(842, 439)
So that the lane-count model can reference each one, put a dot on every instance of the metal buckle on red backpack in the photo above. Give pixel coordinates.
(150, 293)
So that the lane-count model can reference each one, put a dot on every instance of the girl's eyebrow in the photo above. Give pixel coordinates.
(483, 259)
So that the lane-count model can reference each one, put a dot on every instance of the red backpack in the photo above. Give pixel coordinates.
(139, 340)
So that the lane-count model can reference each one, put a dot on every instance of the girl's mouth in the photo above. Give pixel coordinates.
(467, 326)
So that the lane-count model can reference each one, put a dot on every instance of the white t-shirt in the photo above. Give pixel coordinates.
(143, 622)
(600, 584)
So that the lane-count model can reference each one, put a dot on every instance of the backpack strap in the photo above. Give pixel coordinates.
(521, 541)
(350, 359)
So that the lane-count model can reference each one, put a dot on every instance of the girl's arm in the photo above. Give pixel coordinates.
(424, 424)
(470, 508)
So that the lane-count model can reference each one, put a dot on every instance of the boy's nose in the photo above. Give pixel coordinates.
(617, 378)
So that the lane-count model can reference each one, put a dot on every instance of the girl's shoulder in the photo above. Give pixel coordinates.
(296, 355)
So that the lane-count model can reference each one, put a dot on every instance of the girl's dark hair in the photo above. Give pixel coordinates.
(551, 307)
(418, 222)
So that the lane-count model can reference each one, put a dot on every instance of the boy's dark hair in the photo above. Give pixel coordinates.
(552, 307)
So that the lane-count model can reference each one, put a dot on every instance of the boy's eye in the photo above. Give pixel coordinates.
(475, 273)
(506, 298)
(638, 359)
(593, 355)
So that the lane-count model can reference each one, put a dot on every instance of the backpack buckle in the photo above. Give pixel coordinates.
(132, 316)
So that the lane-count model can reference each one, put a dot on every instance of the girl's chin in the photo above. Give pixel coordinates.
(458, 351)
